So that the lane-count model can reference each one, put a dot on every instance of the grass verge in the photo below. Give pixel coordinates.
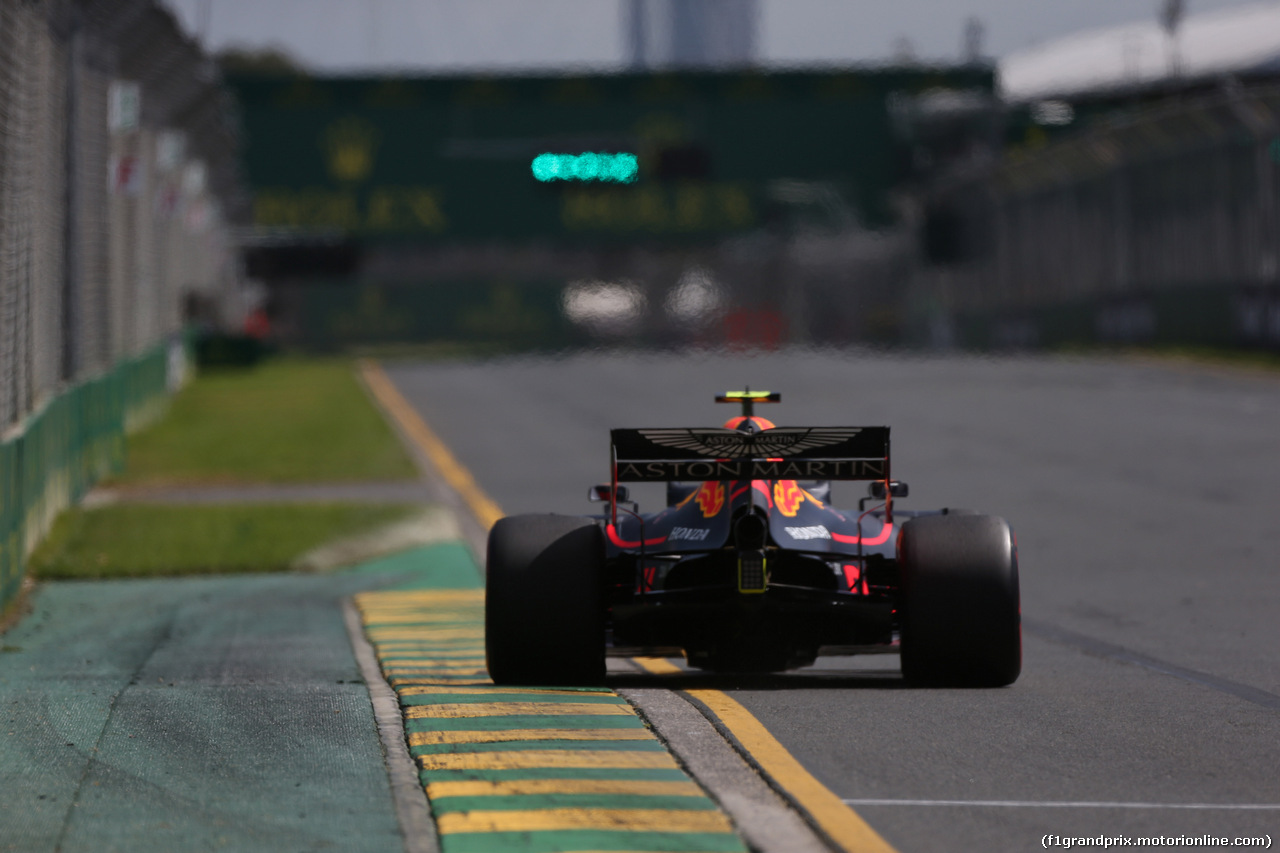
(284, 421)
(136, 540)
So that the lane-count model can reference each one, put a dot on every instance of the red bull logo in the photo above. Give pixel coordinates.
(787, 497)
(711, 498)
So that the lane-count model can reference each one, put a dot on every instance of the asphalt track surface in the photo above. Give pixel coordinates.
(1145, 499)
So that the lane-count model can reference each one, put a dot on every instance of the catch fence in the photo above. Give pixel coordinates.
(1158, 227)
(118, 176)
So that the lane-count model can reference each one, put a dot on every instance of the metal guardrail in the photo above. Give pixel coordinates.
(68, 444)
(118, 172)
(118, 178)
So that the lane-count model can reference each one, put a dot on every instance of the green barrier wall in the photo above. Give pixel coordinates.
(65, 447)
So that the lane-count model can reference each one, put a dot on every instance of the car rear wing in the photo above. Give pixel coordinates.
(781, 453)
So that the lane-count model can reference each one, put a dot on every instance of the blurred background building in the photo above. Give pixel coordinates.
(1135, 198)
(830, 203)
(940, 203)
(691, 33)
(1242, 42)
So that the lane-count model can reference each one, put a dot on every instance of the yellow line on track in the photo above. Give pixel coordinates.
(639, 820)
(840, 823)
(484, 509)
(514, 787)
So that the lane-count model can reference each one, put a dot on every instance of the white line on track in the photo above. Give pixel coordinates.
(1034, 804)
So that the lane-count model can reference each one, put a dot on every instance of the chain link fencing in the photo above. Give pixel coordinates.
(1158, 228)
(118, 181)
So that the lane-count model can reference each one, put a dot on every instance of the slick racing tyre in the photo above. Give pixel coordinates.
(960, 622)
(544, 601)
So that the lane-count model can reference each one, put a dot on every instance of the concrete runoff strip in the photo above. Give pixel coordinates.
(407, 795)
(828, 814)
(527, 768)
(845, 827)
(433, 525)
(766, 821)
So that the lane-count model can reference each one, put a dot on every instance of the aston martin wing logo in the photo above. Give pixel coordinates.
(720, 443)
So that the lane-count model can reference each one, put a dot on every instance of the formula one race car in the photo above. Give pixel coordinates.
(749, 568)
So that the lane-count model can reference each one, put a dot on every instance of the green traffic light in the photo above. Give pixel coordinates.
(588, 166)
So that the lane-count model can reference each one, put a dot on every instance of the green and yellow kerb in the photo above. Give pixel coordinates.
(527, 768)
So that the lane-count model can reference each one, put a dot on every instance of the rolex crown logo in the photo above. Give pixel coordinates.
(350, 144)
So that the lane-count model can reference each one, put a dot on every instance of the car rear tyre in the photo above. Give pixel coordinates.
(544, 601)
(960, 621)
